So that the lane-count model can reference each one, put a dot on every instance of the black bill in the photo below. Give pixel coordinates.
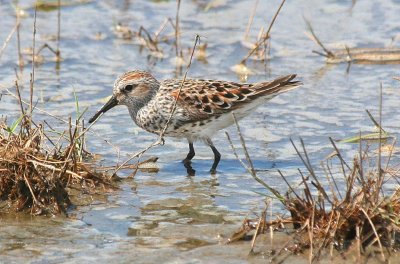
(110, 104)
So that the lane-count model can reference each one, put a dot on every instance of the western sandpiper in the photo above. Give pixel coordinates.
(202, 106)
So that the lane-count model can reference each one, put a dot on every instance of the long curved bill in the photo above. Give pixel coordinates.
(110, 104)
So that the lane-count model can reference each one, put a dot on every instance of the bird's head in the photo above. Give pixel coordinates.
(133, 89)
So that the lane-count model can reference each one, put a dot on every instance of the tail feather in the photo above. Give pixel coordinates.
(277, 86)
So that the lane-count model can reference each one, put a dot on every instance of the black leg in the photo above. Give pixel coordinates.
(187, 161)
(190, 171)
(191, 153)
(217, 156)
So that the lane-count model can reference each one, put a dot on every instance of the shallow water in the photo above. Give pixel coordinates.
(167, 216)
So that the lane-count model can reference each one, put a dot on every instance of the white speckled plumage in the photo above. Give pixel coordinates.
(203, 107)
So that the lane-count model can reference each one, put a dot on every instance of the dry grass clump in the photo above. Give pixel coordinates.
(36, 178)
(364, 210)
(36, 171)
(354, 209)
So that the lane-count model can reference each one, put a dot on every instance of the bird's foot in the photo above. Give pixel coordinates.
(188, 165)
(213, 171)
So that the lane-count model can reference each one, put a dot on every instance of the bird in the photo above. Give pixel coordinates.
(199, 107)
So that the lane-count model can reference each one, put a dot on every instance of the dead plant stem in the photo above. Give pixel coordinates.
(251, 18)
(58, 29)
(311, 234)
(20, 59)
(250, 167)
(32, 80)
(62, 120)
(288, 184)
(16, 26)
(266, 36)
(260, 221)
(328, 53)
(177, 46)
(31, 190)
(380, 175)
(376, 234)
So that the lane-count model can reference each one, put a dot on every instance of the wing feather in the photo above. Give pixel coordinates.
(202, 98)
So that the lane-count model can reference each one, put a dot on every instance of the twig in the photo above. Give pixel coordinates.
(326, 239)
(329, 53)
(38, 109)
(390, 154)
(250, 168)
(58, 29)
(311, 234)
(287, 183)
(358, 243)
(374, 121)
(339, 154)
(197, 40)
(266, 36)
(31, 190)
(162, 27)
(56, 52)
(63, 121)
(260, 223)
(9, 36)
(376, 234)
(361, 165)
(246, 153)
(20, 59)
(151, 44)
(320, 53)
(178, 5)
(19, 98)
(32, 80)
(139, 165)
(380, 178)
(53, 168)
(328, 175)
(235, 152)
(251, 18)
(310, 169)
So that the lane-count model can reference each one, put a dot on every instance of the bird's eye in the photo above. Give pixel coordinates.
(128, 88)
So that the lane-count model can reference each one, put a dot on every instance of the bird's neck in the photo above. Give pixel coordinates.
(140, 107)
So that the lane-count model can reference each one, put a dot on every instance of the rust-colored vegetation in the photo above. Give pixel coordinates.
(355, 208)
(35, 177)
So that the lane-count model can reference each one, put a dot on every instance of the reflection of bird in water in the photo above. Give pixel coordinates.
(202, 106)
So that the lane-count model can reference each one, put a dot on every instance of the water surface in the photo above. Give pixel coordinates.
(167, 216)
